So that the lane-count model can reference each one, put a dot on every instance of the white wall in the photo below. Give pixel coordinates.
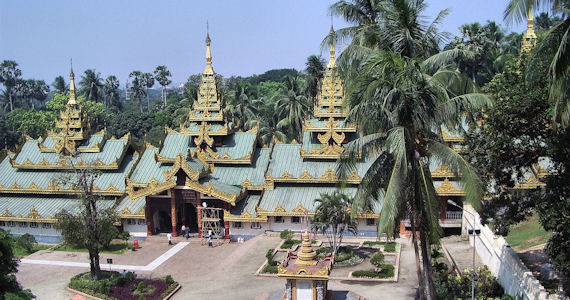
(51, 235)
(135, 229)
(247, 230)
(503, 262)
(287, 224)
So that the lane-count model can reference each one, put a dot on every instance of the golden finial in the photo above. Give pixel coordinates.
(209, 69)
(72, 98)
(529, 38)
(306, 255)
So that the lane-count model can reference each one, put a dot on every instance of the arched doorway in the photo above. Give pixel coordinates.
(162, 221)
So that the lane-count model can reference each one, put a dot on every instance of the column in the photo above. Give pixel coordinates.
(226, 223)
(443, 208)
(183, 219)
(199, 212)
(148, 216)
(173, 212)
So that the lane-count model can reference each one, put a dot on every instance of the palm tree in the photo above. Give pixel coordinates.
(269, 131)
(9, 75)
(91, 85)
(545, 21)
(161, 73)
(315, 70)
(333, 218)
(243, 110)
(554, 44)
(147, 82)
(39, 90)
(292, 106)
(23, 89)
(59, 85)
(111, 91)
(137, 89)
(399, 96)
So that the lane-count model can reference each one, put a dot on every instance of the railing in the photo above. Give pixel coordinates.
(453, 215)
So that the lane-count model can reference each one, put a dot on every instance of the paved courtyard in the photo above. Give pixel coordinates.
(224, 272)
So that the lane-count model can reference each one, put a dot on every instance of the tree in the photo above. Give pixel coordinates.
(59, 85)
(111, 92)
(243, 110)
(315, 67)
(30, 122)
(91, 85)
(293, 106)
(38, 90)
(90, 227)
(137, 89)
(554, 44)
(147, 83)
(333, 218)
(400, 95)
(544, 21)
(9, 286)
(161, 73)
(9, 75)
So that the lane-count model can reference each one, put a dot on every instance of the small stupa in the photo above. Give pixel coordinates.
(307, 276)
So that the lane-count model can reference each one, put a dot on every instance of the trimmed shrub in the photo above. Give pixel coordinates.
(269, 269)
(286, 234)
(390, 247)
(269, 254)
(27, 241)
(169, 290)
(343, 254)
(372, 243)
(387, 271)
(288, 244)
(352, 261)
(169, 279)
(130, 276)
(377, 259)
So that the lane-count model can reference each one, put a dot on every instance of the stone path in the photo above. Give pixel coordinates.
(149, 267)
(462, 252)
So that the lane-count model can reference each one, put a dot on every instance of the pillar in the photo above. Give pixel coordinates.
(173, 212)
(148, 216)
(199, 212)
(226, 223)
(443, 208)
(184, 220)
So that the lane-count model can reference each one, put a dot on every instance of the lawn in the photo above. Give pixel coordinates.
(528, 234)
(114, 248)
(21, 252)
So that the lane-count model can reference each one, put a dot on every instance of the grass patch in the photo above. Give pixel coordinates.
(20, 252)
(351, 261)
(269, 269)
(114, 248)
(390, 247)
(387, 271)
(527, 234)
(288, 244)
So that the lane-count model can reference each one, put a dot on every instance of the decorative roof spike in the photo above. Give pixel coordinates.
(332, 50)
(529, 38)
(72, 97)
(209, 69)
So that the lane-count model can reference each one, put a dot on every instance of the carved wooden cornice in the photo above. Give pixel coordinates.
(152, 188)
(210, 190)
(329, 176)
(442, 171)
(127, 214)
(244, 217)
(448, 189)
(54, 188)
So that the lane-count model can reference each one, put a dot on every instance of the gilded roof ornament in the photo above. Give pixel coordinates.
(529, 38)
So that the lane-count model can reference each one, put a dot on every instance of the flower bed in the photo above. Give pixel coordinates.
(387, 271)
(113, 286)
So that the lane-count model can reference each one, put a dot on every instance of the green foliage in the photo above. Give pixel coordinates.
(390, 247)
(30, 122)
(386, 271)
(269, 269)
(104, 287)
(268, 89)
(288, 244)
(286, 234)
(451, 286)
(137, 123)
(130, 276)
(141, 297)
(74, 228)
(8, 283)
(333, 218)
(269, 254)
(27, 241)
(377, 259)
(343, 254)
(171, 288)
(168, 279)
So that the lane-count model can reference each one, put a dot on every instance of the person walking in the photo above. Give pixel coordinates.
(187, 233)
(183, 230)
(169, 236)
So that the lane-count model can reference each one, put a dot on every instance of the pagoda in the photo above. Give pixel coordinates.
(529, 38)
(32, 191)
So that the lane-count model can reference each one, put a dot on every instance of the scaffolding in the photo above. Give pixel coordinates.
(211, 224)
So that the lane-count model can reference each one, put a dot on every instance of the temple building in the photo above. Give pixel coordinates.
(33, 188)
(205, 173)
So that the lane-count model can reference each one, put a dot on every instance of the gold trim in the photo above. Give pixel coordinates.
(54, 188)
(442, 171)
(180, 163)
(244, 217)
(448, 189)
(531, 183)
(210, 190)
(152, 188)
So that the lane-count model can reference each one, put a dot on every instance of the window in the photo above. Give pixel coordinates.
(131, 221)
(11, 224)
(33, 225)
(295, 220)
(141, 222)
(370, 222)
(46, 225)
(2, 223)
(22, 224)
(237, 224)
(279, 219)
(255, 225)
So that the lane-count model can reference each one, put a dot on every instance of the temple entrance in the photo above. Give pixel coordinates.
(162, 222)
(190, 217)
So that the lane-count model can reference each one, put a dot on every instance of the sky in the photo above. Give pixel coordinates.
(248, 37)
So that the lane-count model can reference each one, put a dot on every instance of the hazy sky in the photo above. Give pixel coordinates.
(117, 37)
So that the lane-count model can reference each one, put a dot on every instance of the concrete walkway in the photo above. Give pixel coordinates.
(149, 267)
(462, 252)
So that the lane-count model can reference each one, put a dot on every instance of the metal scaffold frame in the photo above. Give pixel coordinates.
(211, 224)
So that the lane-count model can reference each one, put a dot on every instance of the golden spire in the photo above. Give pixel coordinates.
(332, 51)
(306, 255)
(72, 98)
(529, 38)
(209, 69)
